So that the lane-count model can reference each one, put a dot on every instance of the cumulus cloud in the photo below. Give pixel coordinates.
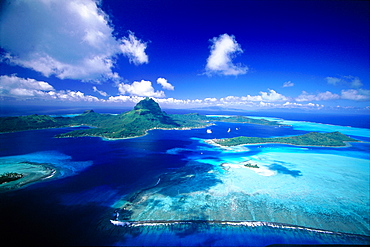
(163, 101)
(224, 48)
(181, 102)
(134, 49)
(269, 96)
(21, 88)
(350, 94)
(125, 99)
(304, 96)
(69, 39)
(140, 88)
(299, 105)
(166, 85)
(355, 82)
(102, 93)
(69, 95)
(288, 84)
(210, 100)
(350, 81)
(358, 95)
(333, 80)
(16, 86)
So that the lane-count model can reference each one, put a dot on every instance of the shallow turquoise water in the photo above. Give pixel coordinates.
(200, 194)
(312, 187)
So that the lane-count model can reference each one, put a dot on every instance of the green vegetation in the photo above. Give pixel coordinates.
(145, 116)
(250, 165)
(333, 139)
(242, 119)
(10, 176)
(10, 124)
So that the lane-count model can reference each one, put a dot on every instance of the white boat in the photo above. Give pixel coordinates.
(209, 131)
(228, 130)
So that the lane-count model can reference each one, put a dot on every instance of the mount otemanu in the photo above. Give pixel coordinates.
(145, 116)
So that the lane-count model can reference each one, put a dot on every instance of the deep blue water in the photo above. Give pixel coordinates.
(76, 209)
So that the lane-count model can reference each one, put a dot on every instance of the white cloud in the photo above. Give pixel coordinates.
(210, 100)
(166, 85)
(21, 88)
(74, 96)
(102, 93)
(327, 96)
(351, 81)
(16, 86)
(69, 39)
(354, 81)
(172, 101)
(298, 105)
(163, 101)
(304, 96)
(270, 96)
(223, 49)
(358, 95)
(333, 80)
(134, 49)
(288, 84)
(142, 88)
(230, 99)
(125, 98)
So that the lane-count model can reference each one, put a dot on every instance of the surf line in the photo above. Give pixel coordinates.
(219, 222)
(247, 224)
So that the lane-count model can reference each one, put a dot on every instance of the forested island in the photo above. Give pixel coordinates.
(10, 176)
(146, 115)
(333, 139)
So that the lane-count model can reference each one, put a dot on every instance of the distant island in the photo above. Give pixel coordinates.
(146, 115)
(333, 139)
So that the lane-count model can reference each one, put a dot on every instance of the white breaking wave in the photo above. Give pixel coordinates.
(229, 223)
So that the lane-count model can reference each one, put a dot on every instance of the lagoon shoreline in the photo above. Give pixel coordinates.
(213, 143)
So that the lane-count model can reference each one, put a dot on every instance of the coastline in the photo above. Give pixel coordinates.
(146, 132)
(213, 143)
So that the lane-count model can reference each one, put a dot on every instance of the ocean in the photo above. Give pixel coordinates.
(176, 189)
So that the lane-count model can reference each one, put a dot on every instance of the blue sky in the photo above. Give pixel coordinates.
(186, 54)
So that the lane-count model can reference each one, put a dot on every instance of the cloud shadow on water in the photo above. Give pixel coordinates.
(284, 170)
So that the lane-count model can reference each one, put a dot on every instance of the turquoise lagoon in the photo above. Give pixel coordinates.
(319, 189)
(171, 187)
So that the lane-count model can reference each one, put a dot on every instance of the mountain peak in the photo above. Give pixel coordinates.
(148, 104)
(88, 111)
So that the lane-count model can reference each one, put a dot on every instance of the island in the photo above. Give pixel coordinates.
(146, 115)
(10, 176)
(15, 175)
(333, 139)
